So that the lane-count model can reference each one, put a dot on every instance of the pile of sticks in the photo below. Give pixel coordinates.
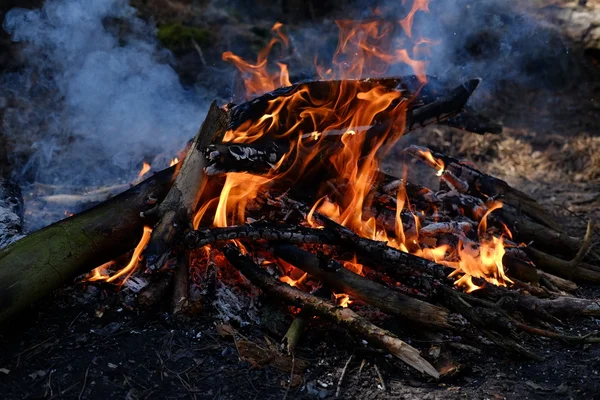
(398, 283)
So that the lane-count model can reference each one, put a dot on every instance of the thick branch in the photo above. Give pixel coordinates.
(376, 294)
(343, 316)
(175, 211)
(480, 183)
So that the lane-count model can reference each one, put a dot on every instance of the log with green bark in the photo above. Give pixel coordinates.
(41, 262)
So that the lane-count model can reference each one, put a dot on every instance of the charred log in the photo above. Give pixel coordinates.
(430, 103)
(343, 316)
(481, 184)
(378, 295)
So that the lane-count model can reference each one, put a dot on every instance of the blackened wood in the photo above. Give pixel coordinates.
(181, 285)
(563, 268)
(344, 316)
(257, 231)
(544, 238)
(481, 184)
(433, 102)
(471, 121)
(558, 306)
(376, 294)
(494, 324)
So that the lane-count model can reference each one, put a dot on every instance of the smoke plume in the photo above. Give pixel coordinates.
(96, 98)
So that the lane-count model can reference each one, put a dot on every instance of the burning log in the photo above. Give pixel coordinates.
(343, 316)
(40, 262)
(378, 295)
(175, 211)
(483, 184)
(433, 102)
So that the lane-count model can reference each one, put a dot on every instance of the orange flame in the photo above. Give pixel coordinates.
(174, 161)
(145, 169)
(293, 282)
(342, 299)
(257, 77)
(438, 164)
(407, 22)
(354, 266)
(348, 110)
(99, 273)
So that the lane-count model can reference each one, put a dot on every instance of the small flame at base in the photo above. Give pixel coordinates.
(99, 273)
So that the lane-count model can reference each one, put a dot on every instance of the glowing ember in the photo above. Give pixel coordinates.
(354, 266)
(342, 299)
(100, 274)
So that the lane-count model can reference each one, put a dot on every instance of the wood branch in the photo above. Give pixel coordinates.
(343, 316)
(563, 268)
(572, 269)
(334, 234)
(40, 262)
(542, 237)
(296, 330)
(433, 102)
(153, 295)
(175, 211)
(376, 294)
(487, 320)
(498, 313)
(480, 183)
(559, 306)
(558, 282)
(181, 285)
(378, 252)
(260, 231)
(11, 213)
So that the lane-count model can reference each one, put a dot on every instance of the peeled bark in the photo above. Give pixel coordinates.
(175, 211)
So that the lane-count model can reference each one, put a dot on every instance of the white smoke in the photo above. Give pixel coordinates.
(96, 97)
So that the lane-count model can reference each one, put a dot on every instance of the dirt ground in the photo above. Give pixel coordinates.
(86, 341)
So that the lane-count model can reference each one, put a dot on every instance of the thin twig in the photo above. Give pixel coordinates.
(84, 381)
(200, 52)
(383, 387)
(362, 365)
(339, 385)
(287, 390)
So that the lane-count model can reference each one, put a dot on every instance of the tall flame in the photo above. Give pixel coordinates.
(350, 110)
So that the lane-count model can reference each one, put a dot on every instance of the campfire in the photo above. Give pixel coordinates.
(285, 193)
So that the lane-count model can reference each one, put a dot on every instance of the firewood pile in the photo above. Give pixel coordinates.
(284, 194)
